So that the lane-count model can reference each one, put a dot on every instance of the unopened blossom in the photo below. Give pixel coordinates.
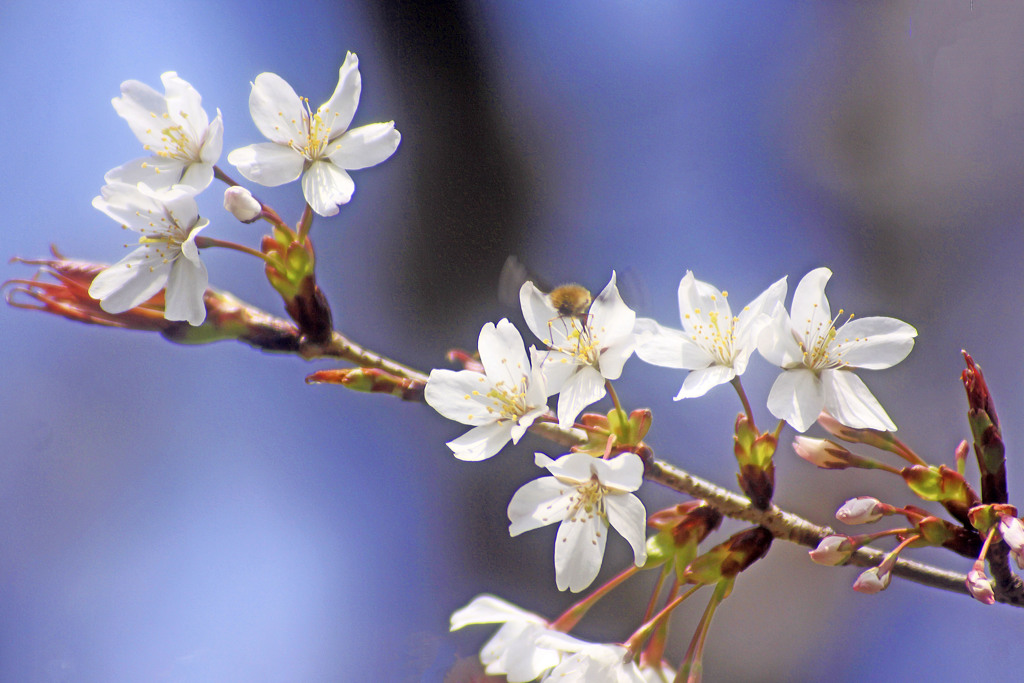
(167, 222)
(513, 651)
(319, 146)
(590, 662)
(873, 580)
(832, 551)
(241, 204)
(714, 344)
(979, 585)
(585, 495)
(822, 452)
(501, 403)
(174, 128)
(817, 354)
(584, 350)
(861, 510)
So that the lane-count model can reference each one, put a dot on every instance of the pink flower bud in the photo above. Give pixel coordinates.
(242, 205)
(1012, 531)
(832, 551)
(979, 585)
(821, 452)
(861, 510)
(872, 581)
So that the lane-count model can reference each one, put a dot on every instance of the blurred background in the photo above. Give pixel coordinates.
(200, 514)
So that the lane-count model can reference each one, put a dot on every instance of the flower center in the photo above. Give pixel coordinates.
(508, 399)
(317, 127)
(580, 341)
(178, 143)
(588, 499)
(163, 237)
(820, 347)
(714, 333)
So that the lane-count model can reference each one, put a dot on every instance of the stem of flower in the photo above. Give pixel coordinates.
(637, 639)
(203, 242)
(613, 395)
(693, 662)
(572, 616)
(738, 386)
(305, 223)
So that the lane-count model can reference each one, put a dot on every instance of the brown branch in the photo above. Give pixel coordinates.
(231, 318)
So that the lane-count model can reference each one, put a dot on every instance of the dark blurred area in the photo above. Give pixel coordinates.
(180, 514)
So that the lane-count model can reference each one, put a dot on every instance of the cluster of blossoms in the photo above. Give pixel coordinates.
(155, 196)
(583, 349)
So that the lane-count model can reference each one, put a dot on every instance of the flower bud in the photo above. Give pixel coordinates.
(242, 205)
(979, 585)
(861, 510)
(821, 452)
(832, 551)
(872, 581)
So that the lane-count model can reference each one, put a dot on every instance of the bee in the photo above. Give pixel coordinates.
(570, 300)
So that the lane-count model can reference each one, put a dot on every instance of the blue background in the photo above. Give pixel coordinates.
(200, 514)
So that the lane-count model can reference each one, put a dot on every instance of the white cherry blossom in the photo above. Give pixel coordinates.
(590, 662)
(501, 403)
(175, 129)
(817, 355)
(167, 222)
(584, 350)
(318, 145)
(585, 495)
(713, 344)
(513, 651)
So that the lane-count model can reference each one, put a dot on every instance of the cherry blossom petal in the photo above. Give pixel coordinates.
(697, 301)
(186, 285)
(184, 104)
(628, 516)
(157, 172)
(539, 503)
(700, 381)
(489, 609)
(875, 343)
(810, 309)
(326, 187)
(365, 146)
(140, 105)
(612, 318)
(614, 356)
(756, 315)
(482, 442)
(797, 397)
(624, 472)
(129, 282)
(777, 344)
(538, 312)
(341, 107)
(579, 549)
(583, 388)
(277, 111)
(197, 175)
(502, 353)
(849, 400)
(213, 141)
(268, 163)
(460, 395)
